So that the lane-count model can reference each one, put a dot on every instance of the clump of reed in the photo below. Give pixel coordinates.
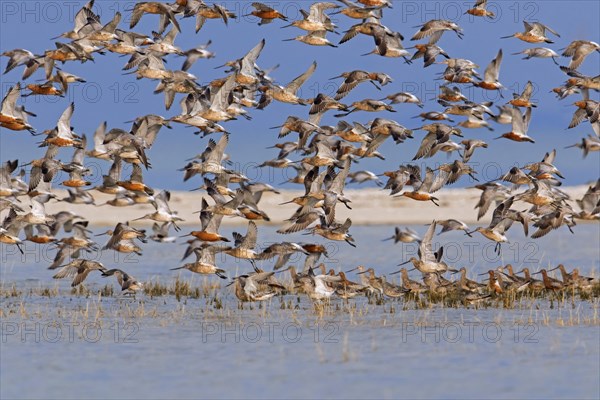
(12, 291)
(181, 289)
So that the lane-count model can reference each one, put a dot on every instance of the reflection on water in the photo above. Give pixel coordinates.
(78, 347)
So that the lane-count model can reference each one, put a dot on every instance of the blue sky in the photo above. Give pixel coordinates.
(110, 95)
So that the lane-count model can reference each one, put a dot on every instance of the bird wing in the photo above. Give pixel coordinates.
(295, 84)
(518, 124)
(425, 248)
(64, 122)
(10, 100)
(492, 71)
(216, 155)
(249, 241)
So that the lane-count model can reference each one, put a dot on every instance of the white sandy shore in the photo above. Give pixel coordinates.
(369, 207)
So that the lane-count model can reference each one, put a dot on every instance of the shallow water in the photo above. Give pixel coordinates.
(71, 346)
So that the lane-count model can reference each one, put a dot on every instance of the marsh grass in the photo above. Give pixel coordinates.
(181, 289)
(10, 292)
(178, 300)
(100, 310)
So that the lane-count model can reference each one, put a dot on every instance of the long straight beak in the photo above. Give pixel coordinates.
(404, 263)
(397, 272)
(376, 85)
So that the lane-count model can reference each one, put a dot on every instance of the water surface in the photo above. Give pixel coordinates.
(70, 346)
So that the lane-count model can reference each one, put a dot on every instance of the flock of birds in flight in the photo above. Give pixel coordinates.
(329, 151)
